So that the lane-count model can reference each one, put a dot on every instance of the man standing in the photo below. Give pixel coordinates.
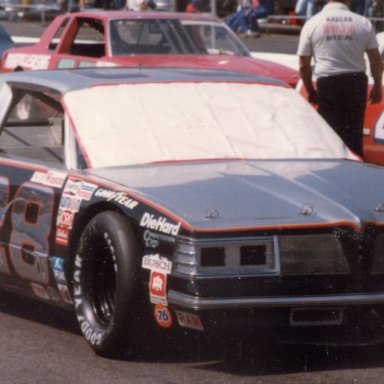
(337, 39)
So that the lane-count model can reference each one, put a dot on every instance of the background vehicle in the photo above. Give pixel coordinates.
(152, 39)
(148, 193)
(5, 41)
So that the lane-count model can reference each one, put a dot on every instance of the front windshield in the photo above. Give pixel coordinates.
(173, 36)
(159, 122)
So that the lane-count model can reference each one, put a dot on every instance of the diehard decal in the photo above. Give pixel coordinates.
(159, 224)
(157, 263)
(163, 316)
(189, 320)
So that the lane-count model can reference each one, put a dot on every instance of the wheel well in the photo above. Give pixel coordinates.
(78, 229)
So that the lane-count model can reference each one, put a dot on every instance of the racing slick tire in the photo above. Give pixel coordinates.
(104, 284)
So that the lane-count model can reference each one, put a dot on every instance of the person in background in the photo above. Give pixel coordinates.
(140, 5)
(195, 6)
(308, 8)
(244, 20)
(337, 40)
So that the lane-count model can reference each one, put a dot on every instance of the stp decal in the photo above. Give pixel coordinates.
(163, 316)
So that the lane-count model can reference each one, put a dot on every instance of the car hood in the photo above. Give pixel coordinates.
(242, 64)
(224, 195)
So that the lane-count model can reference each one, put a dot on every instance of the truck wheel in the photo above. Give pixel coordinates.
(104, 284)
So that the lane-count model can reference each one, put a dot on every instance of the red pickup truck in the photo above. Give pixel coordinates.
(151, 39)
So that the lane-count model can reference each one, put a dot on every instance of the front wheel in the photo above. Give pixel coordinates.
(104, 283)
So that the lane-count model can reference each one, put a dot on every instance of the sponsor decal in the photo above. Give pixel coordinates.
(65, 218)
(75, 191)
(64, 224)
(57, 266)
(80, 189)
(51, 178)
(158, 288)
(117, 197)
(62, 236)
(152, 239)
(157, 263)
(31, 61)
(40, 291)
(163, 316)
(189, 320)
(159, 224)
(70, 203)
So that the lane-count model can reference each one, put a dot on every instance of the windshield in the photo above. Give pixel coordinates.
(144, 123)
(173, 36)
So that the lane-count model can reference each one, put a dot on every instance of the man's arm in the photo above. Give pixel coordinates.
(306, 75)
(376, 67)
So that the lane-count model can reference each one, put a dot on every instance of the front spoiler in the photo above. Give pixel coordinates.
(198, 303)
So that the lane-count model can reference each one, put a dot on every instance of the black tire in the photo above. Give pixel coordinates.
(104, 284)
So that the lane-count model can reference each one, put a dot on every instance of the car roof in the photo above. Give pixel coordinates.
(104, 14)
(65, 81)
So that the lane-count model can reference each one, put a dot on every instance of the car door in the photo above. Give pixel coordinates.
(32, 176)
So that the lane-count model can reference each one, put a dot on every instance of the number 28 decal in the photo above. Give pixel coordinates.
(24, 241)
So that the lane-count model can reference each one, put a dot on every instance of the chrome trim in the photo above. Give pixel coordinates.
(197, 303)
(232, 265)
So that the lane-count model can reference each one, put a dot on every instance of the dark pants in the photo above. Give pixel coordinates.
(341, 101)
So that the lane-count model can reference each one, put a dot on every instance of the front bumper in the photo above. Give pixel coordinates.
(198, 303)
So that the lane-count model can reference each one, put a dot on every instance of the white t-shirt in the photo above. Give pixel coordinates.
(337, 39)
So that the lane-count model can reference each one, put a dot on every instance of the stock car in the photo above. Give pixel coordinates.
(6, 41)
(121, 38)
(147, 193)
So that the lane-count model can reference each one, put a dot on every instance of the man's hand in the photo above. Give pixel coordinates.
(375, 95)
(313, 96)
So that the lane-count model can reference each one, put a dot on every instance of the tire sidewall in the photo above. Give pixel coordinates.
(119, 235)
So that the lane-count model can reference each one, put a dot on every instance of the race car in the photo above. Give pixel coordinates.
(121, 38)
(148, 193)
(6, 41)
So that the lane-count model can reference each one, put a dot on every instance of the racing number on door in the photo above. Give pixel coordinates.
(31, 219)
